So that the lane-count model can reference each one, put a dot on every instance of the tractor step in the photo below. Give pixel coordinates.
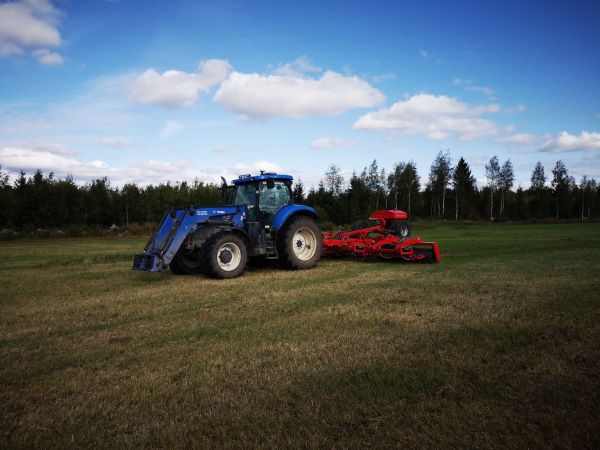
(147, 263)
(272, 253)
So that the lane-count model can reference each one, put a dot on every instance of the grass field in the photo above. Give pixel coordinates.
(497, 346)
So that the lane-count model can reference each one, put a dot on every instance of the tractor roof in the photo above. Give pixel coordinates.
(262, 177)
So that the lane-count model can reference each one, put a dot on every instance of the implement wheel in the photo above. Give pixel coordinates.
(299, 244)
(401, 228)
(224, 255)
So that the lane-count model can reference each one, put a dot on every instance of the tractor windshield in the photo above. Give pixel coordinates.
(245, 194)
(273, 198)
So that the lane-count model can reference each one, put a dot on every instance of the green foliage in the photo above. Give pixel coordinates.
(465, 191)
(298, 192)
(440, 175)
(43, 202)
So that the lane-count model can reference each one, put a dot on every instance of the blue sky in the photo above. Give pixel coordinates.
(158, 91)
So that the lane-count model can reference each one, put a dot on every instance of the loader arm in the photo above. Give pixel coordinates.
(171, 233)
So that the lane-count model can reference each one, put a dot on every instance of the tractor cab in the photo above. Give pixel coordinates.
(263, 195)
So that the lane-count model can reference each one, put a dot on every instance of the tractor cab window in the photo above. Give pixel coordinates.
(272, 197)
(245, 194)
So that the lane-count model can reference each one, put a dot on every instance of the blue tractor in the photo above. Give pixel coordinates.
(262, 222)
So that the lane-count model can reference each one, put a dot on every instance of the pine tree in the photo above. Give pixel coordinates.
(298, 192)
(463, 183)
(409, 178)
(372, 181)
(538, 183)
(538, 177)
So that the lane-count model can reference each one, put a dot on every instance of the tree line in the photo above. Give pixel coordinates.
(450, 192)
(42, 201)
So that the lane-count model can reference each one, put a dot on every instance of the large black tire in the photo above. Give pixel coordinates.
(186, 262)
(401, 228)
(359, 225)
(299, 244)
(224, 255)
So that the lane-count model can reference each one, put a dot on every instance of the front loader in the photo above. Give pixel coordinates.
(262, 221)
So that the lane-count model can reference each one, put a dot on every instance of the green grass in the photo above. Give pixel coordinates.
(497, 346)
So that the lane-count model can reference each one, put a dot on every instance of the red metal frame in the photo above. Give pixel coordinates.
(379, 241)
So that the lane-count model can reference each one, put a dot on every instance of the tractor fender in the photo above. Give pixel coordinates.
(289, 211)
(234, 230)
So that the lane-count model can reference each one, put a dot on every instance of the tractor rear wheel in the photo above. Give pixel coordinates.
(186, 262)
(401, 228)
(224, 255)
(300, 244)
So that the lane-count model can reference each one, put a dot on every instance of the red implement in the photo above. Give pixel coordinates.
(381, 240)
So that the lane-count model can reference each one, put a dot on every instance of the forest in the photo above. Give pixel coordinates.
(450, 192)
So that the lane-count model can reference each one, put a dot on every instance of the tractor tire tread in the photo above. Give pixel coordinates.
(180, 267)
(210, 267)
(287, 259)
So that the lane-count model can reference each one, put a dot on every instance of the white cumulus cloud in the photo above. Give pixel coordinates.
(519, 139)
(267, 166)
(112, 142)
(383, 77)
(40, 146)
(515, 109)
(15, 159)
(566, 142)
(301, 65)
(294, 95)
(176, 89)
(326, 142)
(29, 159)
(47, 57)
(171, 128)
(485, 90)
(433, 116)
(30, 25)
(489, 92)
(425, 54)
(460, 81)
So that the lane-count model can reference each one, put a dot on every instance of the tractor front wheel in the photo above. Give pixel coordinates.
(186, 262)
(224, 256)
(300, 244)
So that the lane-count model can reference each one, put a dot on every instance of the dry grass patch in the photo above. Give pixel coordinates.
(495, 347)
